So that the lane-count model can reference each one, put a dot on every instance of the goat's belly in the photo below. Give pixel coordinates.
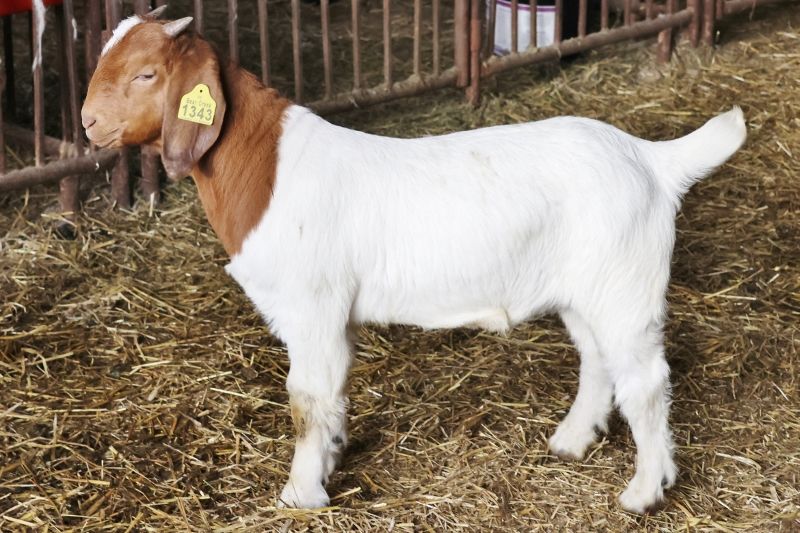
(431, 312)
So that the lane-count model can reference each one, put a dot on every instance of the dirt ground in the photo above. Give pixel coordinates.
(139, 391)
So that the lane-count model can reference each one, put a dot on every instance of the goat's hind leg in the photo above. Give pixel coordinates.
(317, 395)
(589, 412)
(641, 390)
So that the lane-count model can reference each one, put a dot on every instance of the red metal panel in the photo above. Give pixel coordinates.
(9, 7)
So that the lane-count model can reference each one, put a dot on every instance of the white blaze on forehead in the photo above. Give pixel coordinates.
(120, 31)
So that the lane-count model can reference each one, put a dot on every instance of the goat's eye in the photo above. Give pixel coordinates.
(145, 77)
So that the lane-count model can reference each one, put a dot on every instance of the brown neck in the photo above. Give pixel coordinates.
(236, 176)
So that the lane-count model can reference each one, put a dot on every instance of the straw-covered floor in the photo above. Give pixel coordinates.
(139, 391)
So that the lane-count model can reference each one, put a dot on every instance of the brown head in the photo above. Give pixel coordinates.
(135, 94)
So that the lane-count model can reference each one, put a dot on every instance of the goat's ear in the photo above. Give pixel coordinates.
(185, 142)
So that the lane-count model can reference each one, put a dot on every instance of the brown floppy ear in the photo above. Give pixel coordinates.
(184, 142)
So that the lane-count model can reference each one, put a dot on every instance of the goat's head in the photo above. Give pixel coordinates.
(134, 95)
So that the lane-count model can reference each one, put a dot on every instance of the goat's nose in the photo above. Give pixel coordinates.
(87, 121)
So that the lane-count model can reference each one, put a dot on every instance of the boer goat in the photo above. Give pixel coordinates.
(327, 228)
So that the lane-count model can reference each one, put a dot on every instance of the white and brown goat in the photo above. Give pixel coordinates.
(328, 227)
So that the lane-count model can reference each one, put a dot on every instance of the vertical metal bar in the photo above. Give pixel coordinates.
(297, 55)
(461, 44)
(2, 136)
(473, 93)
(69, 186)
(628, 13)
(708, 22)
(720, 6)
(113, 13)
(603, 14)
(665, 37)
(140, 7)
(695, 23)
(120, 175)
(38, 94)
(387, 43)
(437, 52)
(198, 16)
(490, 23)
(263, 37)
(93, 35)
(233, 30)
(72, 74)
(582, 9)
(648, 9)
(150, 184)
(535, 24)
(417, 37)
(356, 12)
(558, 32)
(514, 25)
(327, 62)
(63, 82)
(8, 54)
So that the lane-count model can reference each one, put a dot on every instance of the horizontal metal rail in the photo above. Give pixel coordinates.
(89, 164)
(409, 87)
(731, 7)
(497, 64)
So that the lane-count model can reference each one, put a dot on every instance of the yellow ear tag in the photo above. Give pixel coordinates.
(198, 106)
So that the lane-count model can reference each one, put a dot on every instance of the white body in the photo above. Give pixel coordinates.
(485, 228)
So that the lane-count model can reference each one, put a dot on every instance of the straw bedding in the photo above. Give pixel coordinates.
(139, 391)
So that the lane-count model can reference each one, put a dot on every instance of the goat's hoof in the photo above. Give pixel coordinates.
(303, 496)
(642, 500)
(569, 443)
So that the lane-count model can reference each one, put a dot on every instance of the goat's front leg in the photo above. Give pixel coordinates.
(317, 382)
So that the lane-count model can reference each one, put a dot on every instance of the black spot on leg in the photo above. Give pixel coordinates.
(337, 440)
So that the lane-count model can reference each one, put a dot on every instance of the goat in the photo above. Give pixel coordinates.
(327, 228)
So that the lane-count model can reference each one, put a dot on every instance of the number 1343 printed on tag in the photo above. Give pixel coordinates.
(198, 106)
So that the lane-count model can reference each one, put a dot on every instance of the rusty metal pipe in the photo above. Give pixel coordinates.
(198, 16)
(514, 25)
(327, 62)
(495, 65)
(297, 53)
(356, 29)
(473, 92)
(90, 164)
(437, 52)
(417, 37)
(402, 89)
(461, 45)
(263, 39)
(233, 30)
(388, 76)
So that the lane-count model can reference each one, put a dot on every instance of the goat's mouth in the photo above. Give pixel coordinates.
(105, 140)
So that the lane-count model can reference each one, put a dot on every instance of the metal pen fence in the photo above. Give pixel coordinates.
(451, 45)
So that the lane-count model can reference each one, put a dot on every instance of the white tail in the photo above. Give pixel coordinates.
(685, 161)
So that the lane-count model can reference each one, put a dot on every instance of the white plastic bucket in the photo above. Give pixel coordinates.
(545, 26)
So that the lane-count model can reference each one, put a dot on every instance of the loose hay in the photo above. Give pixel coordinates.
(140, 391)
